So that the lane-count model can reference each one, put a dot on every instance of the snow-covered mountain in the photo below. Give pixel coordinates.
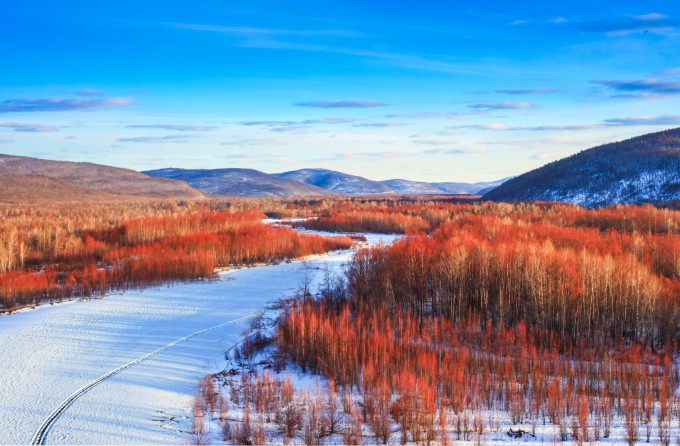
(412, 187)
(240, 182)
(645, 169)
(470, 188)
(355, 185)
(335, 181)
(423, 188)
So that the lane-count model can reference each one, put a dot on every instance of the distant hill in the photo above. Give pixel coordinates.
(339, 182)
(308, 182)
(34, 179)
(419, 187)
(407, 187)
(239, 182)
(638, 170)
(470, 188)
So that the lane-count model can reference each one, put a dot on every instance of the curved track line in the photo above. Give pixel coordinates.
(41, 434)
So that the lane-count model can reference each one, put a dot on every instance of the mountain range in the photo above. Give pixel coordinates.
(308, 182)
(239, 182)
(644, 169)
(26, 179)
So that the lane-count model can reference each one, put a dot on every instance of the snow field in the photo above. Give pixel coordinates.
(48, 353)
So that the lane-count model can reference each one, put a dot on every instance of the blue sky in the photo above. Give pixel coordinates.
(432, 91)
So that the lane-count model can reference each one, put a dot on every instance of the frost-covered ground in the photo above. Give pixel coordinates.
(48, 353)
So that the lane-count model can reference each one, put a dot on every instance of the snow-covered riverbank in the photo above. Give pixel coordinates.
(48, 353)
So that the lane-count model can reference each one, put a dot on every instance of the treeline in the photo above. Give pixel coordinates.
(425, 215)
(31, 234)
(386, 222)
(58, 260)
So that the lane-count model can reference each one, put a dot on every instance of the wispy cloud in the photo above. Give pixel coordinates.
(268, 123)
(645, 23)
(373, 156)
(432, 142)
(668, 72)
(173, 127)
(252, 31)
(644, 120)
(503, 105)
(665, 120)
(342, 103)
(552, 128)
(425, 115)
(26, 127)
(642, 87)
(329, 121)
(301, 126)
(284, 39)
(246, 142)
(158, 139)
(494, 127)
(532, 143)
(5, 141)
(298, 123)
(535, 128)
(382, 124)
(528, 91)
(518, 22)
(455, 151)
(292, 129)
(89, 92)
(60, 104)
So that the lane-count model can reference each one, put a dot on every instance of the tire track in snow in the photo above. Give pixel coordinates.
(40, 435)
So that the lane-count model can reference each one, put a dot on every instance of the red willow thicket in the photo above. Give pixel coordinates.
(425, 372)
(579, 281)
(399, 216)
(608, 273)
(390, 221)
(550, 313)
(144, 251)
(384, 215)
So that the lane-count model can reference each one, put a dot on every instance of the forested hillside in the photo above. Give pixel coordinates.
(645, 169)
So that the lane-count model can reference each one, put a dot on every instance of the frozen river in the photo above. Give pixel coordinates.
(48, 353)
